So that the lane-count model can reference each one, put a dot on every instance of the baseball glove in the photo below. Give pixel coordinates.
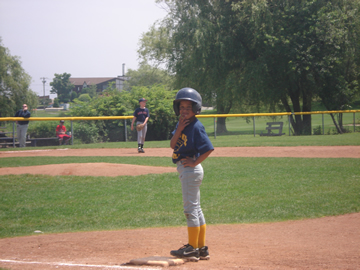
(139, 127)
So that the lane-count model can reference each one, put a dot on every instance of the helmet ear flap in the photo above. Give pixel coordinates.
(196, 108)
(176, 107)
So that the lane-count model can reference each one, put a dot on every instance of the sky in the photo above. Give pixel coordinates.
(86, 38)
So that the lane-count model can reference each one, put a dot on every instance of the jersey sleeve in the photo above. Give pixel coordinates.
(202, 141)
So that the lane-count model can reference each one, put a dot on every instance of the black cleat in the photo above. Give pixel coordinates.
(187, 252)
(204, 253)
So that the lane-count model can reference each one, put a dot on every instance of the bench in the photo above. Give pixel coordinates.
(276, 126)
(8, 141)
(44, 141)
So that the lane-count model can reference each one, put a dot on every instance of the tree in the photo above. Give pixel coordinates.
(196, 41)
(62, 87)
(273, 53)
(304, 49)
(56, 103)
(148, 76)
(91, 90)
(73, 95)
(14, 84)
(338, 80)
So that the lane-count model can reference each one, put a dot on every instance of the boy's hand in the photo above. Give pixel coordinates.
(182, 123)
(188, 162)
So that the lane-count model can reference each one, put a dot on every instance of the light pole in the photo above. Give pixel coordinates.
(43, 81)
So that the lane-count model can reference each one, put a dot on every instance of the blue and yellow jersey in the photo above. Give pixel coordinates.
(192, 142)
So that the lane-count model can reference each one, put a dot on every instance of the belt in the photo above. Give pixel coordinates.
(180, 162)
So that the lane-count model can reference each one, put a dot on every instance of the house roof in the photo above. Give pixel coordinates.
(89, 81)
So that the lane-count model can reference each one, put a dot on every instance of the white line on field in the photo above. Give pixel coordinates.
(78, 265)
(30, 151)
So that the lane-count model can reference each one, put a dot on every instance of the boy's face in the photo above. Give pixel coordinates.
(185, 108)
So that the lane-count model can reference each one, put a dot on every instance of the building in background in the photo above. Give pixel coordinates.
(101, 83)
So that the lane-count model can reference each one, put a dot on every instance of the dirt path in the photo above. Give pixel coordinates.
(269, 151)
(325, 243)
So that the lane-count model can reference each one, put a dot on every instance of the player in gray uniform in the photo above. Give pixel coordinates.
(191, 146)
(141, 115)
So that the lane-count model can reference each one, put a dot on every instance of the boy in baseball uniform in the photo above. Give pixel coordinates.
(141, 116)
(191, 146)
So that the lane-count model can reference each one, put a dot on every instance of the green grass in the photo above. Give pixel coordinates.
(42, 113)
(227, 141)
(235, 190)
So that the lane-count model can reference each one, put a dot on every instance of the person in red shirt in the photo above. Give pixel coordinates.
(61, 132)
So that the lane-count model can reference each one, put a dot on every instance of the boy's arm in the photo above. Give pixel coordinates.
(146, 119)
(132, 123)
(174, 138)
(190, 162)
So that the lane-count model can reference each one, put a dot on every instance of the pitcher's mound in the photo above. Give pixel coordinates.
(88, 169)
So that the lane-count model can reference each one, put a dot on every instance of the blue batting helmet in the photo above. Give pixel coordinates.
(188, 94)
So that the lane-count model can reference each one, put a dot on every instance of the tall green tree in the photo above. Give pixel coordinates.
(338, 80)
(306, 49)
(259, 52)
(146, 75)
(14, 84)
(62, 87)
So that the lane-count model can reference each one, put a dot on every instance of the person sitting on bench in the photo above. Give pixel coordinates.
(61, 132)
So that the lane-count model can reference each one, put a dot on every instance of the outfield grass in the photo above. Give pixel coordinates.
(235, 190)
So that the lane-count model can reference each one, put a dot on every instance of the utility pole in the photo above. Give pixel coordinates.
(43, 81)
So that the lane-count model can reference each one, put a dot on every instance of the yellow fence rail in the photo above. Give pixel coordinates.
(215, 116)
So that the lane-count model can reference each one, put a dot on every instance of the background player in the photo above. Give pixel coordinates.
(141, 115)
(61, 132)
(22, 126)
(191, 146)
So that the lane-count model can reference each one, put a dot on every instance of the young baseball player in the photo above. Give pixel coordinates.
(141, 115)
(61, 132)
(191, 146)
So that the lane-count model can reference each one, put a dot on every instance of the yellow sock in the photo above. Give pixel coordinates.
(202, 233)
(193, 233)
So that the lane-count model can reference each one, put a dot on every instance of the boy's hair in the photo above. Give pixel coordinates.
(188, 94)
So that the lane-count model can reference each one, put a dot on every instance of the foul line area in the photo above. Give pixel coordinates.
(77, 265)
(30, 151)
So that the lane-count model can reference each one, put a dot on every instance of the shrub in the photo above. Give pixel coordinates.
(42, 129)
(56, 103)
(87, 132)
(317, 130)
(114, 103)
(84, 97)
